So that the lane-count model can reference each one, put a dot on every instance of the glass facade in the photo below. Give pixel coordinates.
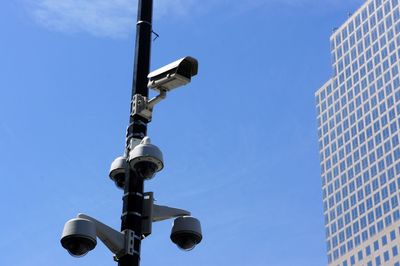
(358, 117)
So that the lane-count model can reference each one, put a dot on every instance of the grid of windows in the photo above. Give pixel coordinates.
(389, 246)
(358, 116)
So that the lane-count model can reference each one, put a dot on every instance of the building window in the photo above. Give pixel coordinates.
(360, 255)
(376, 245)
(395, 251)
(392, 235)
(368, 251)
(384, 241)
(378, 261)
(386, 256)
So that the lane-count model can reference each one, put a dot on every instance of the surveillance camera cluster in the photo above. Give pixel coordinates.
(80, 234)
(145, 159)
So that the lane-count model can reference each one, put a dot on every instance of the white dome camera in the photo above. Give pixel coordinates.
(79, 236)
(186, 232)
(117, 171)
(146, 159)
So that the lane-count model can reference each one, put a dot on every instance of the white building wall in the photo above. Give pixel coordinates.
(358, 114)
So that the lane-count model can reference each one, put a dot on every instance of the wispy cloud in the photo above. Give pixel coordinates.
(104, 18)
(116, 18)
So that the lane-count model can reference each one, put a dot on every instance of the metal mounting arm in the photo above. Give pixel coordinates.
(155, 213)
(157, 99)
(161, 213)
(143, 107)
(113, 239)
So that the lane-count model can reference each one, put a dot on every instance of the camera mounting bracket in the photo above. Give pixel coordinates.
(143, 107)
(155, 213)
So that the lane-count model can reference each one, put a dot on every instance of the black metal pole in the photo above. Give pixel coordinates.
(132, 210)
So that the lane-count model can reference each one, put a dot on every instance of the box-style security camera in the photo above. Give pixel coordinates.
(173, 75)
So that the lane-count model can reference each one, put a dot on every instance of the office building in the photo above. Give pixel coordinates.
(358, 116)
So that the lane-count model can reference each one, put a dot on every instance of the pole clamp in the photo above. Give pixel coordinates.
(140, 107)
(132, 243)
(143, 107)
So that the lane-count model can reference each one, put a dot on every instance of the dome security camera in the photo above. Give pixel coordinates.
(79, 236)
(146, 159)
(186, 232)
(117, 171)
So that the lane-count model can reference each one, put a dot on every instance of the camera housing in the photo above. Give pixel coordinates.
(146, 159)
(186, 232)
(173, 75)
(118, 171)
(79, 236)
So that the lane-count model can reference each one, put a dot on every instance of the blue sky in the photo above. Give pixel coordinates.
(239, 142)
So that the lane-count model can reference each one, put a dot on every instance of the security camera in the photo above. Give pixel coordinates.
(79, 236)
(173, 75)
(163, 80)
(146, 159)
(117, 171)
(186, 232)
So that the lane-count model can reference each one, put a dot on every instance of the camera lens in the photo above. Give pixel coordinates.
(146, 169)
(119, 180)
(185, 241)
(78, 246)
